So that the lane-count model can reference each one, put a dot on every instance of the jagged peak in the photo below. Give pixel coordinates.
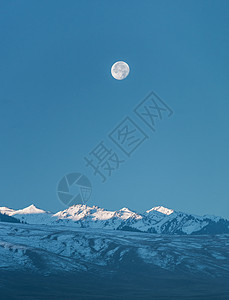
(126, 209)
(161, 209)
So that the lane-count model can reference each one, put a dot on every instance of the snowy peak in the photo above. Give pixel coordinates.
(30, 215)
(7, 211)
(83, 212)
(161, 209)
(125, 213)
(160, 220)
(125, 209)
(90, 215)
(32, 209)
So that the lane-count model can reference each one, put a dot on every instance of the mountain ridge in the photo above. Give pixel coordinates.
(159, 219)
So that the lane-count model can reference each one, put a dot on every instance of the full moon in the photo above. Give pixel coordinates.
(120, 70)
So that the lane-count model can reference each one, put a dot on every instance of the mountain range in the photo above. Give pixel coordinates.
(84, 252)
(158, 220)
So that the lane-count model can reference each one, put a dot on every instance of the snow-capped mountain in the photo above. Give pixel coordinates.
(161, 209)
(7, 211)
(95, 217)
(30, 215)
(32, 209)
(158, 220)
(76, 244)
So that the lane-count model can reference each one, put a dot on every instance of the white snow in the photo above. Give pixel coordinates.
(156, 220)
(7, 211)
(32, 209)
(161, 209)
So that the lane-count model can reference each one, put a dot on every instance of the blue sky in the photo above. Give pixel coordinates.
(58, 101)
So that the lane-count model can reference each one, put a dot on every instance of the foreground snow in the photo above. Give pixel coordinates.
(46, 248)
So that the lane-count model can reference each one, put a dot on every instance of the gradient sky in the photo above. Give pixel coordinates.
(58, 100)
